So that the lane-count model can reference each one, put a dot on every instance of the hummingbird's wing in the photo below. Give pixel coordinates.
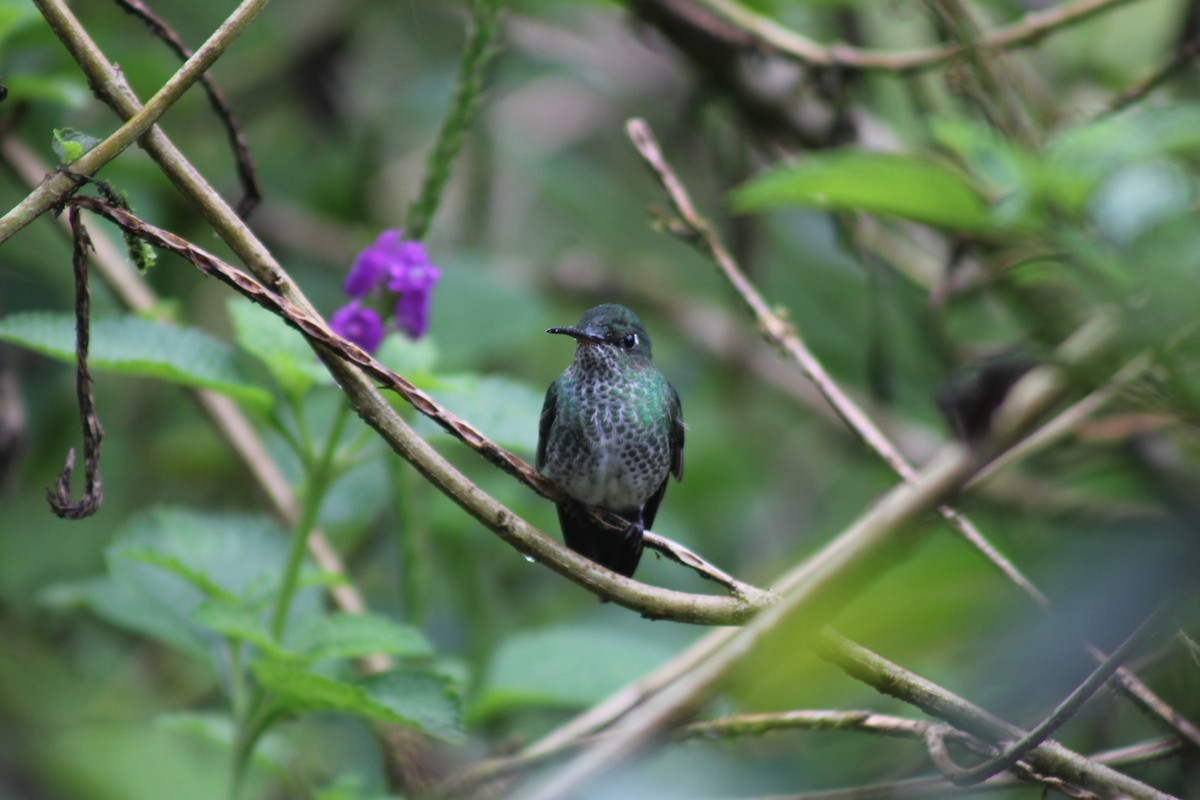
(675, 438)
(676, 435)
(549, 410)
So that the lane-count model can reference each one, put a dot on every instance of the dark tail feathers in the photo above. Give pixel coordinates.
(618, 551)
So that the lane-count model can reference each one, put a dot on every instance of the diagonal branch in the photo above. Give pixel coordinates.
(1026, 31)
(107, 80)
(1065, 710)
(247, 174)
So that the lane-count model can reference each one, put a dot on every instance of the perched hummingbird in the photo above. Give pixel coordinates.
(611, 430)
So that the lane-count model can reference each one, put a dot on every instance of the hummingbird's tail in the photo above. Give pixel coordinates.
(619, 551)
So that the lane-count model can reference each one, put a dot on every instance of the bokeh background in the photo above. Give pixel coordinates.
(545, 216)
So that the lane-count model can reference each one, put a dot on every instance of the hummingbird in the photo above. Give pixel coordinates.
(610, 434)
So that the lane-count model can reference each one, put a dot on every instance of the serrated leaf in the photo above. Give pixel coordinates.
(167, 562)
(281, 349)
(563, 668)
(404, 697)
(132, 346)
(905, 186)
(505, 410)
(428, 701)
(321, 637)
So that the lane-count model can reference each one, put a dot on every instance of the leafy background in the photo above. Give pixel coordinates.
(115, 670)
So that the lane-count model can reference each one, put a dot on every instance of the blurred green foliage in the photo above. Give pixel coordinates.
(134, 641)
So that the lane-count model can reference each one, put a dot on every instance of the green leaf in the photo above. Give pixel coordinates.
(413, 360)
(240, 623)
(1077, 160)
(321, 637)
(70, 144)
(173, 565)
(427, 701)
(132, 346)
(166, 563)
(404, 697)
(905, 186)
(564, 668)
(505, 410)
(125, 607)
(280, 348)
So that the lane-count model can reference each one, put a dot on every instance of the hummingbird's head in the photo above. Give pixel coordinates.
(613, 327)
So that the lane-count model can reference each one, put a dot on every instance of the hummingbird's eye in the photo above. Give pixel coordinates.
(630, 341)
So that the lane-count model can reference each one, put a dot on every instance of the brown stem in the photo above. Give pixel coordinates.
(93, 492)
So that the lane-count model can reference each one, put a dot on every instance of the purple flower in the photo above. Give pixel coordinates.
(412, 312)
(372, 265)
(403, 267)
(360, 325)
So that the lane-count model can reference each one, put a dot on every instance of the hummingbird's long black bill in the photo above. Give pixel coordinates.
(576, 334)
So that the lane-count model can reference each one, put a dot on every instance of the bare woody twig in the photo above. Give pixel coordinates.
(93, 493)
(106, 79)
(1184, 56)
(247, 174)
(1049, 757)
(735, 725)
(1065, 710)
(1028, 30)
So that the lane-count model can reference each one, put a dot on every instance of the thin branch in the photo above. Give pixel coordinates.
(735, 725)
(682, 555)
(1183, 57)
(247, 174)
(1063, 712)
(56, 187)
(1048, 757)
(1026, 31)
(93, 493)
